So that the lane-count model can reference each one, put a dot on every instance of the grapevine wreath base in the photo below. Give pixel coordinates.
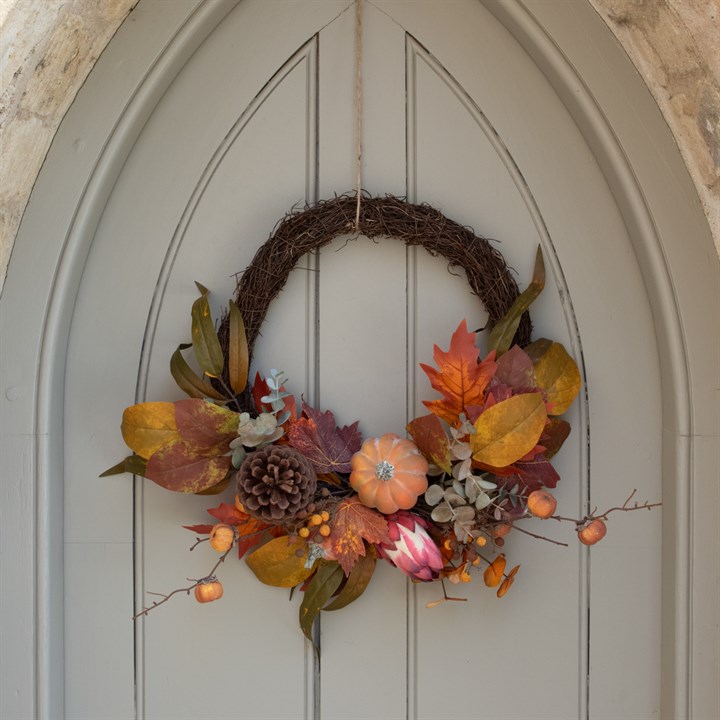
(315, 505)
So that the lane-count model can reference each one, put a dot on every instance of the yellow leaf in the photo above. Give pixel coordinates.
(238, 356)
(146, 427)
(509, 430)
(557, 374)
(281, 562)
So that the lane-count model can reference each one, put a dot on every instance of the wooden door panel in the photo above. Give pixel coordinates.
(260, 119)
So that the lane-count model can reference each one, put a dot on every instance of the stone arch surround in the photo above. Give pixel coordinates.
(692, 347)
(48, 49)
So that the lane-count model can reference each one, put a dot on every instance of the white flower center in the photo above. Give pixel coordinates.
(384, 470)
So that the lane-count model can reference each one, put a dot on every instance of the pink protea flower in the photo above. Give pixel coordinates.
(410, 548)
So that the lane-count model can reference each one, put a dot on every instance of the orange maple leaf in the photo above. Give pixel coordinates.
(461, 379)
(352, 524)
(250, 530)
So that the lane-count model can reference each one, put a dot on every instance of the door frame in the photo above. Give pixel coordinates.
(682, 281)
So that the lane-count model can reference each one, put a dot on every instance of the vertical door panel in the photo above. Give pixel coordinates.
(261, 119)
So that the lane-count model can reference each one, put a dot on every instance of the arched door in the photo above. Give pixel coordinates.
(258, 119)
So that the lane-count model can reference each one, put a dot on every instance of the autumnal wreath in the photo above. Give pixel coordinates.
(315, 505)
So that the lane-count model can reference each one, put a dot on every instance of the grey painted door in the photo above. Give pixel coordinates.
(259, 119)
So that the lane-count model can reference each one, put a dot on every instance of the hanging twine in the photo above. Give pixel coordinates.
(358, 110)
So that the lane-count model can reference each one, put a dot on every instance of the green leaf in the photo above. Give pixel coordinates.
(205, 341)
(238, 359)
(326, 581)
(357, 581)
(502, 334)
(188, 380)
(131, 464)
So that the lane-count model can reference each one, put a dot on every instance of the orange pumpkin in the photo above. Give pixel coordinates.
(388, 473)
(222, 537)
(208, 590)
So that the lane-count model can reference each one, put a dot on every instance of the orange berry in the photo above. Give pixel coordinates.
(303, 532)
(325, 530)
(593, 532)
(325, 515)
(222, 537)
(481, 541)
(315, 520)
(541, 504)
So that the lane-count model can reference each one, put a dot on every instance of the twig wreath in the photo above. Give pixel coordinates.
(315, 505)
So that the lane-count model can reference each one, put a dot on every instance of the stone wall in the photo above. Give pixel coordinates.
(49, 46)
(675, 45)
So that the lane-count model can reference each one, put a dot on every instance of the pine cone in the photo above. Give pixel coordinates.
(275, 483)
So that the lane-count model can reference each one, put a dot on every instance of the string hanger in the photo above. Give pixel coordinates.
(358, 110)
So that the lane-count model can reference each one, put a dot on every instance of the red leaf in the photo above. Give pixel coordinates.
(460, 378)
(515, 368)
(182, 467)
(250, 531)
(429, 435)
(228, 514)
(554, 435)
(352, 523)
(532, 475)
(199, 529)
(326, 446)
(205, 425)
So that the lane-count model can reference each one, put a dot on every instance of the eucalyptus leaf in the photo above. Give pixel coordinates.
(483, 500)
(442, 513)
(465, 513)
(461, 451)
(458, 488)
(453, 498)
(471, 489)
(434, 494)
(239, 454)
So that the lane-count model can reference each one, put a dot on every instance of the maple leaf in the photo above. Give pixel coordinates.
(228, 514)
(250, 531)
(327, 447)
(353, 523)
(199, 529)
(460, 378)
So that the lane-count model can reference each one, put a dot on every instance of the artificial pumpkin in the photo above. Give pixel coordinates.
(388, 473)
(222, 537)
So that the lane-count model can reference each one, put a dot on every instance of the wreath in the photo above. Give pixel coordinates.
(315, 505)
